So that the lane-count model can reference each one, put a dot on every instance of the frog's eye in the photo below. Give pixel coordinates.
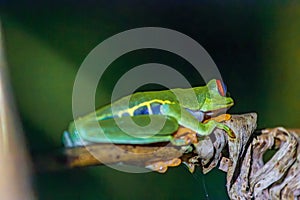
(221, 87)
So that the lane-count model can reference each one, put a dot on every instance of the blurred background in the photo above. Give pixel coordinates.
(256, 48)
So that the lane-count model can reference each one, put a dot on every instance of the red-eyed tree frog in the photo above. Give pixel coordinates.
(193, 108)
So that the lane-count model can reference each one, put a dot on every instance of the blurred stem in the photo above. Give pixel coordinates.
(15, 180)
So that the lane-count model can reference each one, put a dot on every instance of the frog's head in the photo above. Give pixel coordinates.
(215, 98)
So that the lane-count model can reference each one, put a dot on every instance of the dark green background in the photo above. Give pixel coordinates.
(256, 48)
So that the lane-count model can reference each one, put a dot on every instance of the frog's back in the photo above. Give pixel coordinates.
(139, 103)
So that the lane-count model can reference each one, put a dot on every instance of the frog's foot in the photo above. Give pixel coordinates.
(162, 165)
(222, 118)
(184, 136)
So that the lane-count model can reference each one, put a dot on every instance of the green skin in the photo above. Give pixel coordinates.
(177, 107)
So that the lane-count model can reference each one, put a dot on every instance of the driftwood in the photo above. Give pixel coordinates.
(248, 175)
(242, 157)
(276, 178)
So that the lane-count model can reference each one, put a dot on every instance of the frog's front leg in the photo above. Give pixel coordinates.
(187, 120)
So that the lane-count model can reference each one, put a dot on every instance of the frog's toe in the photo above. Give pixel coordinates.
(162, 166)
(228, 130)
(184, 136)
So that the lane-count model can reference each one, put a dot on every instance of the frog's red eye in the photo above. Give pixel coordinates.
(221, 87)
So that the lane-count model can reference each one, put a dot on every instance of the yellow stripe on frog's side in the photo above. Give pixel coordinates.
(131, 110)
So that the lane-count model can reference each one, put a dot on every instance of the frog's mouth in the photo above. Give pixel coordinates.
(213, 113)
(203, 116)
